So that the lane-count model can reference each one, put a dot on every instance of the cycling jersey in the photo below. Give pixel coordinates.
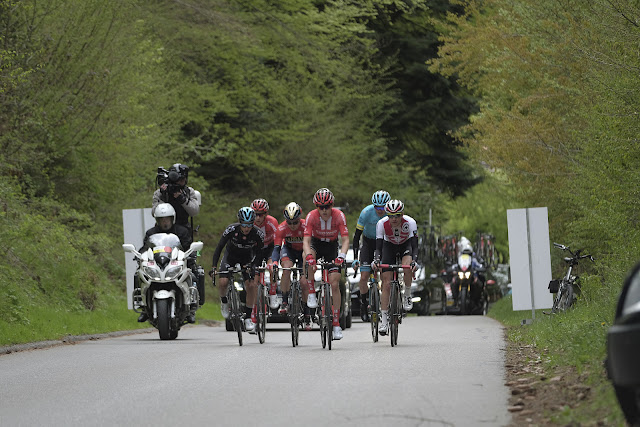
(367, 221)
(397, 236)
(285, 236)
(240, 246)
(269, 228)
(326, 231)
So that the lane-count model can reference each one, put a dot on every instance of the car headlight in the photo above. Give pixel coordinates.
(152, 272)
(173, 272)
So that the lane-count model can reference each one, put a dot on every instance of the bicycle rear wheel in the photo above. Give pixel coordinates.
(566, 298)
(294, 312)
(374, 310)
(394, 312)
(323, 318)
(261, 326)
(236, 316)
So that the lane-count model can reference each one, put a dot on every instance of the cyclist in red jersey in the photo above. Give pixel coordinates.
(268, 225)
(323, 226)
(288, 250)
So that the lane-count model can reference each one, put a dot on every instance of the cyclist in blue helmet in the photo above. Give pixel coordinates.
(366, 225)
(244, 242)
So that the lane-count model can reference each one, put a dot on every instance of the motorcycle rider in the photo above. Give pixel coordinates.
(165, 217)
(243, 243)
(467, 249)
(185, 201)
(397, 234)
(268, 225)
(366, 225)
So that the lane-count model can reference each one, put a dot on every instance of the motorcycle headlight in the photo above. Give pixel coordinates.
(152, 272)
(467, 274)
(173, 272)
(461, 274)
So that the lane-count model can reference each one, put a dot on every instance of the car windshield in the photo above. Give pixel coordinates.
(164, 242)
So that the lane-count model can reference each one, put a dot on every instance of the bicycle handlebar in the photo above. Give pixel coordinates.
(575, 255)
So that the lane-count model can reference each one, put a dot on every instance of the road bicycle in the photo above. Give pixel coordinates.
(236, 314)
(325, 307)
(295, 313)
(396, 311)
(262, 311)
(563, 288)
(374, 305)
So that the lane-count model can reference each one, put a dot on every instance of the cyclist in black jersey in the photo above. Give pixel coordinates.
(243, 242)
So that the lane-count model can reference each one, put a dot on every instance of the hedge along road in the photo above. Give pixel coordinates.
(446, 370)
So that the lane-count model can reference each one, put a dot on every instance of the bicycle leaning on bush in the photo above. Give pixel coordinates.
(563, 288)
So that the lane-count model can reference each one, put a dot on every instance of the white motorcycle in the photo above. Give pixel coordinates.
(167, 291)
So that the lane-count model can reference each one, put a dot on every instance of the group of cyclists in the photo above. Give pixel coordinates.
(387, 236)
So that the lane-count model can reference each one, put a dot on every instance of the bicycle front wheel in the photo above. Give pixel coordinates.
(374, 311)
(395, 312)
(236, 316)
(294, 312)
(261, 326)
(566, 298)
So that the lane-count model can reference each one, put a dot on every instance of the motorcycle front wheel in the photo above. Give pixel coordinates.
(164, 320)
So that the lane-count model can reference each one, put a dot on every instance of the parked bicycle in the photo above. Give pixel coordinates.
(563, 288)
(236, 314)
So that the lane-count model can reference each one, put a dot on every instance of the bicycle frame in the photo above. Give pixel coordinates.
(262, 311)
(564, 297)
(236, 316)
(325, 305)
(396, 311)
(295, 308)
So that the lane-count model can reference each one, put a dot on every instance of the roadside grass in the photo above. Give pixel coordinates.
(577, 339)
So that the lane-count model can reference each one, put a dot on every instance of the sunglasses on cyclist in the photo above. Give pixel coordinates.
(246, 224)
(296, 222)
(379, 208)
(397, 215)
(261, 214)
(323, 207)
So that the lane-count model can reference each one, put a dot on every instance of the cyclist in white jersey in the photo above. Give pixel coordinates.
(396, 235)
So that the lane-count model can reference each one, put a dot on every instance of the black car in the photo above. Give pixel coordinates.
(428, 294)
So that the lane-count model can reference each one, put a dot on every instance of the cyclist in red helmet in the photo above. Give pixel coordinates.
(323, 225)
(268, 225)
(396, 235)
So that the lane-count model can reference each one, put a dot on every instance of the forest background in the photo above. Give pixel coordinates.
(464, 108)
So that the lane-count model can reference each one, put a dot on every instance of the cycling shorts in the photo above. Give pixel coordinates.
(326, 250)
(291, 254)
(391, 253)
(366, 253)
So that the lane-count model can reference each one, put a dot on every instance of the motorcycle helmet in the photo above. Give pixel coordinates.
(260, 206)
(323, 196)
(623, 346)
(164, 210)
(394, 207)
(246, 215)
(380, 198)
(292, 211)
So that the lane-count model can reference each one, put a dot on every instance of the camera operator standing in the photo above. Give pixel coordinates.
(173, 190)
(185, 200)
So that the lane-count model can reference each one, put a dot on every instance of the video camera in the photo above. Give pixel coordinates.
(169, 177)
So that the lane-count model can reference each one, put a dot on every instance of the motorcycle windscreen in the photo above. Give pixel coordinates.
(164, 240)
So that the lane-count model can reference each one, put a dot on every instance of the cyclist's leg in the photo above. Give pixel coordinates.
(366, 256)
(285, 283)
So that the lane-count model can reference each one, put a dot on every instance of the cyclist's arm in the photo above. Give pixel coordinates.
(221, 244)
(356, 241)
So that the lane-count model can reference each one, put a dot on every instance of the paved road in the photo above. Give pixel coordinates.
(445, 371)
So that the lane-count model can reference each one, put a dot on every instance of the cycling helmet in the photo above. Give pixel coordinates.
(164, 210)
(380, 198)
(394, 207)
(323, 196)
(260, 205)
(292, 211)
(246, 214)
